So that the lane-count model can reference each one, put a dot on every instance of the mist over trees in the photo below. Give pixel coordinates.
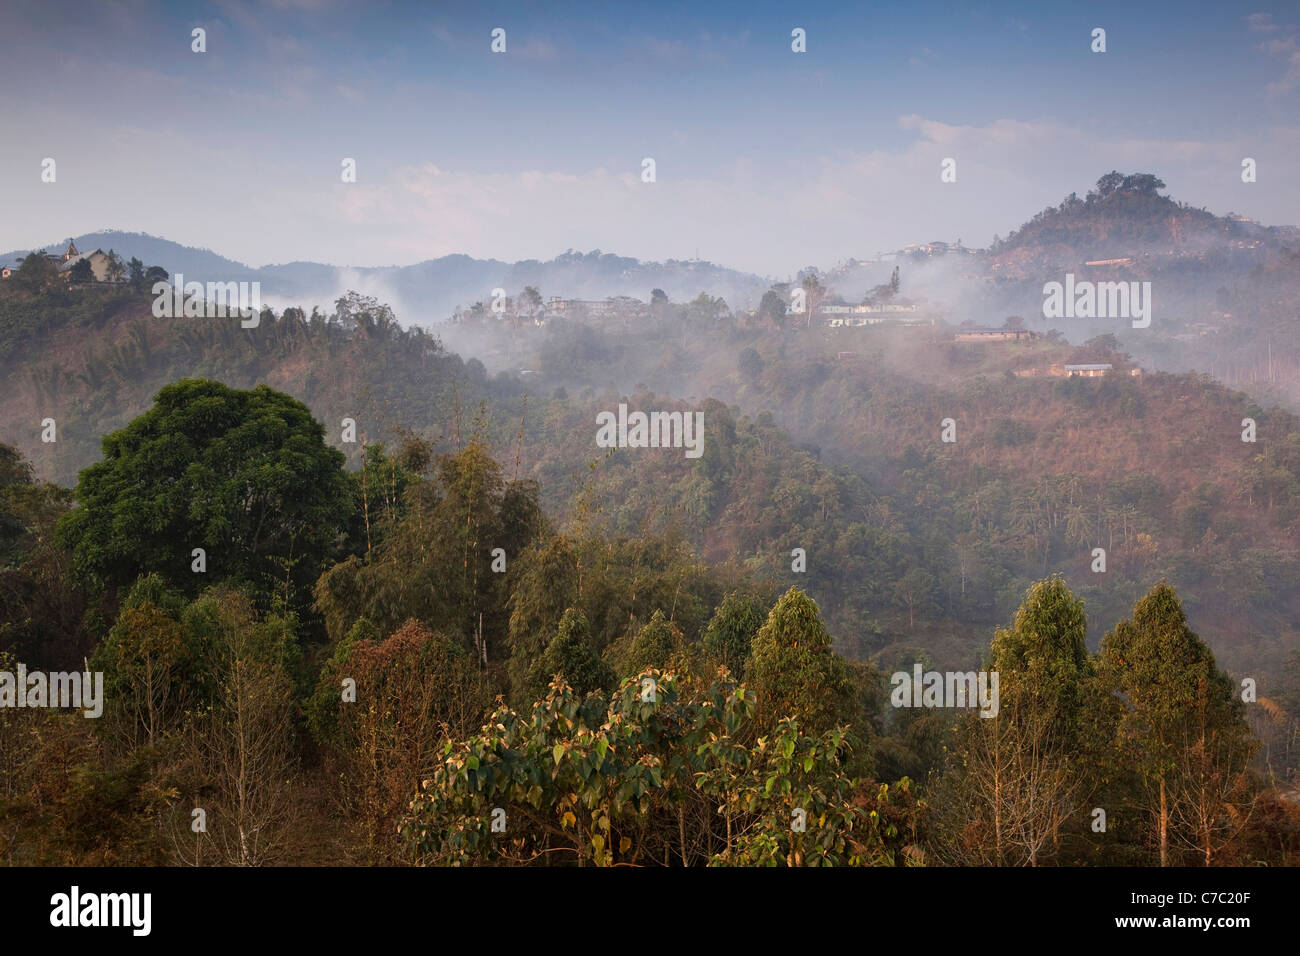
(361, 599)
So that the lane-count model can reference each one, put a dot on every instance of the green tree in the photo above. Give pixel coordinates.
(427, 550)
(151, 671)
(36, 274)
(658, 303)
(794, 672)
(244, 475)
(41, 608)
(571, 656)
(1144, 184)
(116, 270)
(1012, 779)
(730, 633)
(619, 779)
(1168, 697)
(81, 272)
(1109, 183)
(1042, 659)
(653, 647)
(15, 476)
(547, 584)
(772, 309)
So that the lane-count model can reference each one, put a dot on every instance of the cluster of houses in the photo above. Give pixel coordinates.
(514, 310)
(851, 316)
(625, 308)
(67, 260)
(615, 307)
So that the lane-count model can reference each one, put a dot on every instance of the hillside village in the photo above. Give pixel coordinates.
(793, 307)
(77, 267)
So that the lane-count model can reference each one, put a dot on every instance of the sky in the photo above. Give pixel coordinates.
(765, 159)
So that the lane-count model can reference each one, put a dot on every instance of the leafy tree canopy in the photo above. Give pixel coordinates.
(244, 475)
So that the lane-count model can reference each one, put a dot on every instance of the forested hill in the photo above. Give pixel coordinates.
(914, 546)
(1123, 216)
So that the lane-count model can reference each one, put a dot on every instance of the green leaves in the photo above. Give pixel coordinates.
(794, 672)
(245, 475)
(631, 772)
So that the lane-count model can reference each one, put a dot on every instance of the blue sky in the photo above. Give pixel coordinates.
(766, 160)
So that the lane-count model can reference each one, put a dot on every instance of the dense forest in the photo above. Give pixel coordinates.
(914, 545)
(465, 634)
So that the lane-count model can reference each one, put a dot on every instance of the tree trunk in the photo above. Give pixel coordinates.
(997, 792)
(681, 832)
(1164, 824)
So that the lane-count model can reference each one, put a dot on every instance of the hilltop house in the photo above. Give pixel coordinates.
(98, 264)
(98, 260)
(63, 262)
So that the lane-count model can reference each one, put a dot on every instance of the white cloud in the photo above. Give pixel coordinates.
(762, 213)
(770, 221)
(1260, 23)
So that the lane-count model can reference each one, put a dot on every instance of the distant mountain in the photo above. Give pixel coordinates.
(427, 292)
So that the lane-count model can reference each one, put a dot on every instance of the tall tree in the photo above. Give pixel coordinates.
(435, 557)
(794, 672)
(116, 270)
(1169, 698)
(244, 743)
(412, 691)
(730, 634)
(1012, 779)
(773, 309)
(148, 665)
(814, 292)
